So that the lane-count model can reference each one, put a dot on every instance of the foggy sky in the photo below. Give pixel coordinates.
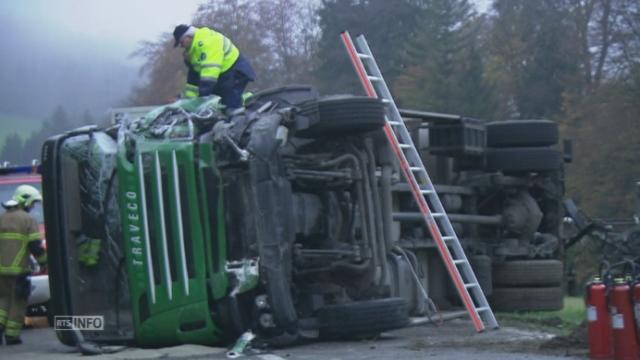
(110, 27)
(76, 53)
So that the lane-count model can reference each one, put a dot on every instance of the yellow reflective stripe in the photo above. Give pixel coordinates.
(35, 236)
(10, 270)
(13, 328)
(189, 94)
(21, 253)
(212, 66)
(13, 324)
(13, 236)
(190, 91)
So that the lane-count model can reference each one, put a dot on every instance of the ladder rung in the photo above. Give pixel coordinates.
(364, 56)
(385, 101)
(460, 261)
(374, 78)
(469, 286)
(448, 238)
(395, 123)
(483, 308)
(435, 215)
(427, 191)
(415, 168)
(405, 146)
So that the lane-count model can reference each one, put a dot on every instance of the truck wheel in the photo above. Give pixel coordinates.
(527, 298)
(519, 160)
(362, 318)
(518, 133)
(342, 115)
(528, 273)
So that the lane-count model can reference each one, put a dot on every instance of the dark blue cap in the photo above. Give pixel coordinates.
(178, 32)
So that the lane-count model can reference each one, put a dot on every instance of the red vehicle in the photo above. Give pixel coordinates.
(10, 178)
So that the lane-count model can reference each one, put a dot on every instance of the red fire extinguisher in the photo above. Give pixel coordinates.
(599, 321)
(625, 344)
(636, 308)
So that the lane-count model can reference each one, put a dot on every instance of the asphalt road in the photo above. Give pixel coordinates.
(455, 339)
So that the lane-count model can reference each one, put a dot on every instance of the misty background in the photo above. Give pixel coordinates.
(74, 56)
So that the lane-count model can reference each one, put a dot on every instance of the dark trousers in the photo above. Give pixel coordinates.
(232, 83)
(230, 87)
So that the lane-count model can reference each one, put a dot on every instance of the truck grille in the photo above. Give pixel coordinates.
(163, 188)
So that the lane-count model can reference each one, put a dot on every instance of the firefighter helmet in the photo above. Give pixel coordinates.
(26, 195)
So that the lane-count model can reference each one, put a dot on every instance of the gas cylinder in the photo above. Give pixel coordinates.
(625, 344)
(599, 320)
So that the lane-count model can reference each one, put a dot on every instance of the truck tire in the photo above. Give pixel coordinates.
(521, 160)
(522, 133)
(527, 298)
(342, 115)
(528, 273)
(481, 265)
(362, 318)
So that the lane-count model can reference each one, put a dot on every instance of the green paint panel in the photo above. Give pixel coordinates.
(175, 247)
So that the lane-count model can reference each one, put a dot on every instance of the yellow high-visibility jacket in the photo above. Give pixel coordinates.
(210, 55)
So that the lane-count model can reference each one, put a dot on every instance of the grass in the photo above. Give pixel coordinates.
(561, 322)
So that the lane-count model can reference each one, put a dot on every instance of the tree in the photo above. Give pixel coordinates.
(386, 24)
(604, 126)
(87, 118)
(58, 122)
(163, 70)
(292, 28)
(444, 68)
(607, 34)
(12, 149)
(532, 57)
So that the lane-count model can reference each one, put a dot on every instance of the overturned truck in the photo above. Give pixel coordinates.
(290, 218)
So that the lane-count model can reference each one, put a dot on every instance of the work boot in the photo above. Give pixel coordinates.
(13, 340)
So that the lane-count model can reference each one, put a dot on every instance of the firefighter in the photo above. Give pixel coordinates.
(19, 236)
(215, 65)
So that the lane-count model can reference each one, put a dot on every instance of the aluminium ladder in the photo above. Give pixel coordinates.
(421, 187)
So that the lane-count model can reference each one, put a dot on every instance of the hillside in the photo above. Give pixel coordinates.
(21, 125)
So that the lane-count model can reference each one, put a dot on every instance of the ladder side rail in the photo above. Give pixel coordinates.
(409, 174)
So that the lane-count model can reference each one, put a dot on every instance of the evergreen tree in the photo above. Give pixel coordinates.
(87, 118)
(59, 122)
(444, 68)
(12, 149)
(386, 24)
